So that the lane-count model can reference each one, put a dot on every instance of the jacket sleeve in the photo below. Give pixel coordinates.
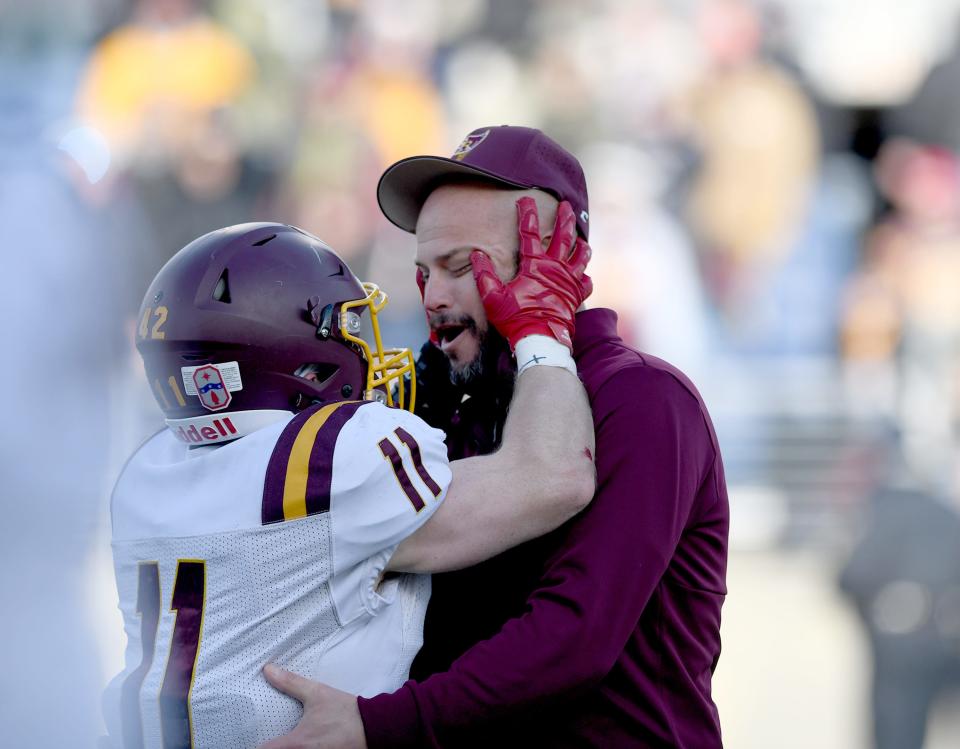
(654, 451)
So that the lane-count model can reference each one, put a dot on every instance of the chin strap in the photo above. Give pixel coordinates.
(210, 429)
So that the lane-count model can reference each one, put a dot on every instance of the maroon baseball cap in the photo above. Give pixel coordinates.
(515, 157)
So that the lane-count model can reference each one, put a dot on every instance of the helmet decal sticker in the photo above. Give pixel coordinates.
(211, 388)
(229, 371)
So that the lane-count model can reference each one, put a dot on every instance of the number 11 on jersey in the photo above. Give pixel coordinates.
(187, 602)
(396, 461)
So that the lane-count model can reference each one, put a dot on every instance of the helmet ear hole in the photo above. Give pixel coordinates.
(318, 372)
(221, 292)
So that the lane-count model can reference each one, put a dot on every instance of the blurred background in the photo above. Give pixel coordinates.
(775, 200)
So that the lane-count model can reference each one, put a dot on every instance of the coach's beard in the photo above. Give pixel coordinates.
(486, 365)
(471, 371)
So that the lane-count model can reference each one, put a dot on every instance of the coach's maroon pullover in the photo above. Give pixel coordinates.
(619, 635)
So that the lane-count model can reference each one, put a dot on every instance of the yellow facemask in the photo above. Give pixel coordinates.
(387, 366)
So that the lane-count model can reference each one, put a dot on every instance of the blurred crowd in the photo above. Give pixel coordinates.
(775, 196)
(768, 180)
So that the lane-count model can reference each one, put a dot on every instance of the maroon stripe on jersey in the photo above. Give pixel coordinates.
(272, 507)
(407, 439)
(321, 458)
(320, 472)
(187, 600)
(391, 454)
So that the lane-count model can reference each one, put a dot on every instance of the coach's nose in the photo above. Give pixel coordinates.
(438, 293)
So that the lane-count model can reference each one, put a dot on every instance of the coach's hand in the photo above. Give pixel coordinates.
(331, 719)
(550, 284)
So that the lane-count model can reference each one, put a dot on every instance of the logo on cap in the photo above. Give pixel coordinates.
(469, 143)
(211, 388)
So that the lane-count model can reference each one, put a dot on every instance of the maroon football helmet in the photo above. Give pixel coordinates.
(263, 317)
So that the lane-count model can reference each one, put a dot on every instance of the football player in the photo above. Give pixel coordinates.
(266, 521)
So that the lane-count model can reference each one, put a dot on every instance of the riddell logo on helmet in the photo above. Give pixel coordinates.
(220, 428)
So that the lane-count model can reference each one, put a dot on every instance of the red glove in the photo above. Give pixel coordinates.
(550, 284)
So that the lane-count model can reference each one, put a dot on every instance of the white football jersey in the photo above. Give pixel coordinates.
(270, 548)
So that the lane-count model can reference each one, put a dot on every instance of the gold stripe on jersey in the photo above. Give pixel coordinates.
(298, 465)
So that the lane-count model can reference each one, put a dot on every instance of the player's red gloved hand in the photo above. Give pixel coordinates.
(550, 284)
(421, 284)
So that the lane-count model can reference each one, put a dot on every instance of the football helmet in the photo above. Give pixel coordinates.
(263, 317)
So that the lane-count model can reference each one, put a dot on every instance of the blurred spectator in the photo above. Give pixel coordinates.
(329, 186)
(162, 89)
(904, 579)
(794, 309)
(374, 101)
(485, 82)
(868, 53)
(905, 301)
(393, 96)
(643, 263)
(759, 144)
(149, 82)
(206, 181)
(618, 73)
(869, 339)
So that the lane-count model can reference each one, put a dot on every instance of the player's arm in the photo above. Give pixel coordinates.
(543, 473)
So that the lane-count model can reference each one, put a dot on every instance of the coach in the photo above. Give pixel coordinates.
(606, 632)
